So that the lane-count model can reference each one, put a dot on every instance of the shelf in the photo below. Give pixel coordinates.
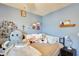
(67, 25)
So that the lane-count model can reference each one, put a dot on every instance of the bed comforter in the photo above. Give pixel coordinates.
(35, 49)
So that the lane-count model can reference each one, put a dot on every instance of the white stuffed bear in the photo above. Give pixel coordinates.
(16, 37)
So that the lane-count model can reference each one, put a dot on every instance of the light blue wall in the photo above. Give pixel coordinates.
(8, 13)
(50, 24)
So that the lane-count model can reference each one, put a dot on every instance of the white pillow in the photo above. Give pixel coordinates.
(37, 36)
(29, 36)
(52, 40)
(42, 41)
(42, 38)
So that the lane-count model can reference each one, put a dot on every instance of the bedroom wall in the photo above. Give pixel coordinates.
(50, 24)
(9, 13)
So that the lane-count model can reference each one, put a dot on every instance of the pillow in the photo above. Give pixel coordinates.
(25, 40)
(42, 41)
(33, 38)
(32, 35)
(42, 38)
(52, 39)
(28, 36)
(37, 36)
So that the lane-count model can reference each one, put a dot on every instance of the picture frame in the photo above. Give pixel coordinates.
(23, 13)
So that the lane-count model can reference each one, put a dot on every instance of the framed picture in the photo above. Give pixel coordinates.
(23, 13)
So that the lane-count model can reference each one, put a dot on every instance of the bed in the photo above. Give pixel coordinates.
(46, 47)
(34, 47)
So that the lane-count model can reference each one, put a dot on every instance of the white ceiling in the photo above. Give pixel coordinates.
(41, 9)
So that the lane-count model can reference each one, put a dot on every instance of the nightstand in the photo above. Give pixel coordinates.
(66, 52)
